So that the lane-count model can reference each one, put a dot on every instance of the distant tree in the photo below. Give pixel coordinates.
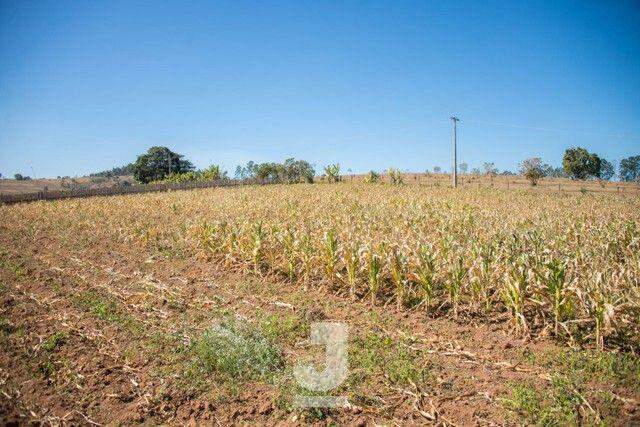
(532, 169)
(268, 172)
(553, 172)
(239, 172)
(630, 169)
(117, 171)
(159, 162)
(20, 177)
(475, 171)
(296, 171)
(395, 176)
(437, 169)
(332, 172)
(97, 179)
(291, 171)
(246, 172)
(372, 177)
(489, 168)
(507, 173)
(463, 167)
(212, 173)
(607, 170)
(578, 163)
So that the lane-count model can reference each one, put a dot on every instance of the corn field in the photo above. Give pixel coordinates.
(551, 264)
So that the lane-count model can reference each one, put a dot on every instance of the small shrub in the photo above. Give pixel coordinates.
(395, 176)
(333, 172)
(54, 341)
(238, 350)
(533, 170)
(5, 326)
(287, 327)
(372, 177)
(400, 364)
(559, 407)
(99, 306)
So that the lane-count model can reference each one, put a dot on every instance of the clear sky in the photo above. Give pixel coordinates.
(88, 85)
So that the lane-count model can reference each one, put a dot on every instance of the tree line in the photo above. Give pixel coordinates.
(160, 164)
(579, 164)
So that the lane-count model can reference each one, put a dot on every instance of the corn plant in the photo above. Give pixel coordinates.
(257, 241)
(395, 176)
(536, 255)
(352, 265)
(289, 244)
(481, 280)
(398, 264)
(374, 266)
(556, 291)
(515, 292)
(306, 251)
(425, 274)
(454, 284)
(330, 254)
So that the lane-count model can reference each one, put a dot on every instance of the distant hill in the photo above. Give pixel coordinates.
(117, 171)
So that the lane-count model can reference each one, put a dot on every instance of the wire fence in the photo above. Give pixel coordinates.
(433, 180)
(116, 190)
(512, 182)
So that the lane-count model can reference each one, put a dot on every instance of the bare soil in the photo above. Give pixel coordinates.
(101, 334)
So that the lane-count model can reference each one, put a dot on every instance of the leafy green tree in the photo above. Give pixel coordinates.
(239, 172)
(553, 172)
(246, 172)
(268, 172)
(212, 173)
(578, 163)
(117, 171)
(296, 171)
(607, 170)
(159, 162)
(630, 169)
(291, 171)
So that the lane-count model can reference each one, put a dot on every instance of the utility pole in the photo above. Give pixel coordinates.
(454, 168)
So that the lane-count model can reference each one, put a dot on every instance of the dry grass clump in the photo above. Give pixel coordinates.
(552, 263)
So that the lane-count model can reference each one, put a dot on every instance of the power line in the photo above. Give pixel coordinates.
(544, 129)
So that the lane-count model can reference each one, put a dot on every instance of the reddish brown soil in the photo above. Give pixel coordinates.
(124, 368)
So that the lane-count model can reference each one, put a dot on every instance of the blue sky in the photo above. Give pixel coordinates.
(88, 85)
